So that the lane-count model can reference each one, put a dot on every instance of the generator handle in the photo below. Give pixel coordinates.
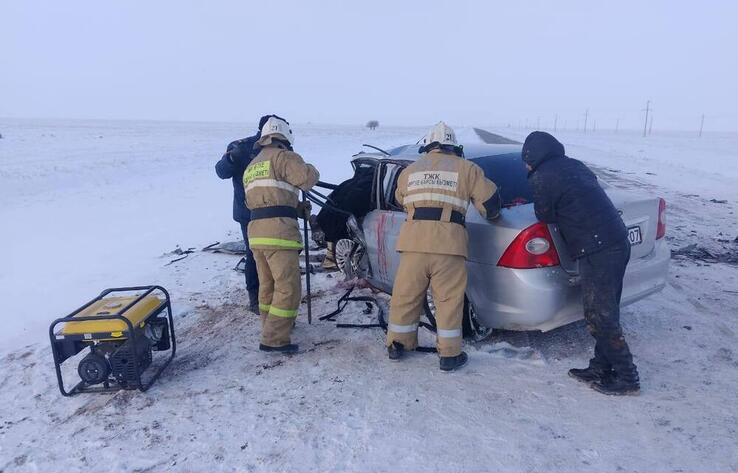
(142, 296)
(148, 289)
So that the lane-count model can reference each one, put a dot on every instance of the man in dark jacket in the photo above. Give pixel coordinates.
(236, 159)
(566, 193)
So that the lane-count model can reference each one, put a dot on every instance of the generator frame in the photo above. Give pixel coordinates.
(130, 334)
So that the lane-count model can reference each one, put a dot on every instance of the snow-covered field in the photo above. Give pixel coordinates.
(88, 205)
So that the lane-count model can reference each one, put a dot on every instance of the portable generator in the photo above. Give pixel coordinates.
(119, 330)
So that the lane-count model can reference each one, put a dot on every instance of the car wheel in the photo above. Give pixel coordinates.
(342, 254)
(471, 327)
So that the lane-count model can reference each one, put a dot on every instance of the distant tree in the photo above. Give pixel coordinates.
(372, 124)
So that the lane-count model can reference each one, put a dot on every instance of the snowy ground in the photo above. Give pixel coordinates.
(86, 205)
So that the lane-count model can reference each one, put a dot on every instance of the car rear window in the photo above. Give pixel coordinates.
(510, 175)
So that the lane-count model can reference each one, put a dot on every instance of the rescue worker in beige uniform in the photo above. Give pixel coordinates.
(273, 182)
(435, 191)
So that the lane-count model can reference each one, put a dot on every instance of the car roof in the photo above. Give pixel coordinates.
(471, 151)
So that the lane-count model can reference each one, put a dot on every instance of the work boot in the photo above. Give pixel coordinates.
(288, 349)
(329, 262)
(451, 363)
(619, 384)
(396, 351)
(589, 375)
(254, 301)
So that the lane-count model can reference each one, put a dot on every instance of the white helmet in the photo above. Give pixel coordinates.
(277, 126)
(441, 134)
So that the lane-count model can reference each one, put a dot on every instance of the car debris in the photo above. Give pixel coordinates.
(700, 253)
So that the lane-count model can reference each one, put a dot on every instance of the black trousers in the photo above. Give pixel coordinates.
(602, 286)
(252, 277)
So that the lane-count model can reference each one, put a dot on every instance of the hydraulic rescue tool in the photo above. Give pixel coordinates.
(117, 331)
(307, 264)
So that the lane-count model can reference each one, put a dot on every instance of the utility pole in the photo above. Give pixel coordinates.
(645, 123)
(586, 115)
(702, 124)
(556, 119)
(617, 125)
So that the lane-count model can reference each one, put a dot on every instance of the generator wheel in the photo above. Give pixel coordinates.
(93, 368)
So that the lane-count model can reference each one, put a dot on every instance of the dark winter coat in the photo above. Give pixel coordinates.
(353, 196)
(566, 193)
(234, 162)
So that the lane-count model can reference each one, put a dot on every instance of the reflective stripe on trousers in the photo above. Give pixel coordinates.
(285, 313)
(403, 328)
(448, 333)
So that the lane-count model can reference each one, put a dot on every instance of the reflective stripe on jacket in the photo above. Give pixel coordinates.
(445, 181)
(274, 178)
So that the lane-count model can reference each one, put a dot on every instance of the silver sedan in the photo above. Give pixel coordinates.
(521, 276)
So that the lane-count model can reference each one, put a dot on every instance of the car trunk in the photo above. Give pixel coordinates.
(640, 215)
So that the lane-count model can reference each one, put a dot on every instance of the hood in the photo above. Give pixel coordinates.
(540, 146)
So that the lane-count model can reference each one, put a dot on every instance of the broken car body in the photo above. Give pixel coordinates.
(521, 276)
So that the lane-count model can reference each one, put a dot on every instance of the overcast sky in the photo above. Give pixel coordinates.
(401, 62)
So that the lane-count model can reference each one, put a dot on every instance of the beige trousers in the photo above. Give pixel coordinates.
(446, 276)
(279, 294)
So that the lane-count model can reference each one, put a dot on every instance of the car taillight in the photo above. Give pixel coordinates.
(532, 248)
(661, 227)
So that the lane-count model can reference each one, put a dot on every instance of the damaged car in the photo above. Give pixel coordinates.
(520, 275)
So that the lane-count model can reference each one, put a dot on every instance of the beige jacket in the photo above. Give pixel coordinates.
(274, 178)
(446, 181)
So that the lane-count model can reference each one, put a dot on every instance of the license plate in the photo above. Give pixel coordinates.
(634, 235)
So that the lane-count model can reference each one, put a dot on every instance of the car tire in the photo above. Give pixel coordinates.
(470, 326)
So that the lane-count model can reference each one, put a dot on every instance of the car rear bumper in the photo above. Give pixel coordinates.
(547, 298)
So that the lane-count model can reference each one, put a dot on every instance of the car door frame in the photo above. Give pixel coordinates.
(376, 221)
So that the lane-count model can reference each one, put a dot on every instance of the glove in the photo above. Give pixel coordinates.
(239, 153)
(236, 157)
(304, 209)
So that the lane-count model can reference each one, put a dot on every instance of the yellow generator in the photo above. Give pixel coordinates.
(119, 330)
